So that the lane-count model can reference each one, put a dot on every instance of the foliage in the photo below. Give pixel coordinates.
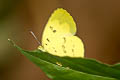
(66, 68)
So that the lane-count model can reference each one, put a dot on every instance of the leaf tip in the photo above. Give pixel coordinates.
(11, 42)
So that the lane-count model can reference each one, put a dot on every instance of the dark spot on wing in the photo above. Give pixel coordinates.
(51, 27)
(63, 46)
(64, 51)
(54, 31)
(48, 40)
(55, 51)
(73, 50)
(64, 39)
(45, 44)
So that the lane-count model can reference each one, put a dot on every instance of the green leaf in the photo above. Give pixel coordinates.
(72, 68)
(116, 66)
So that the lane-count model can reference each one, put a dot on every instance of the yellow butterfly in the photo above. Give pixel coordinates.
(59, 36)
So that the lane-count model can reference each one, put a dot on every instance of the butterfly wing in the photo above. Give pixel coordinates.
(58, 36)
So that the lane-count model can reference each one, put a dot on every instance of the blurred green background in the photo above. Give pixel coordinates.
(98, 24)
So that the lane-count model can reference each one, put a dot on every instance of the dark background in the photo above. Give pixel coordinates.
(98, 24)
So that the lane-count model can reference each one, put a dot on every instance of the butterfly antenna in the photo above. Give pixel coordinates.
(35, 37)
